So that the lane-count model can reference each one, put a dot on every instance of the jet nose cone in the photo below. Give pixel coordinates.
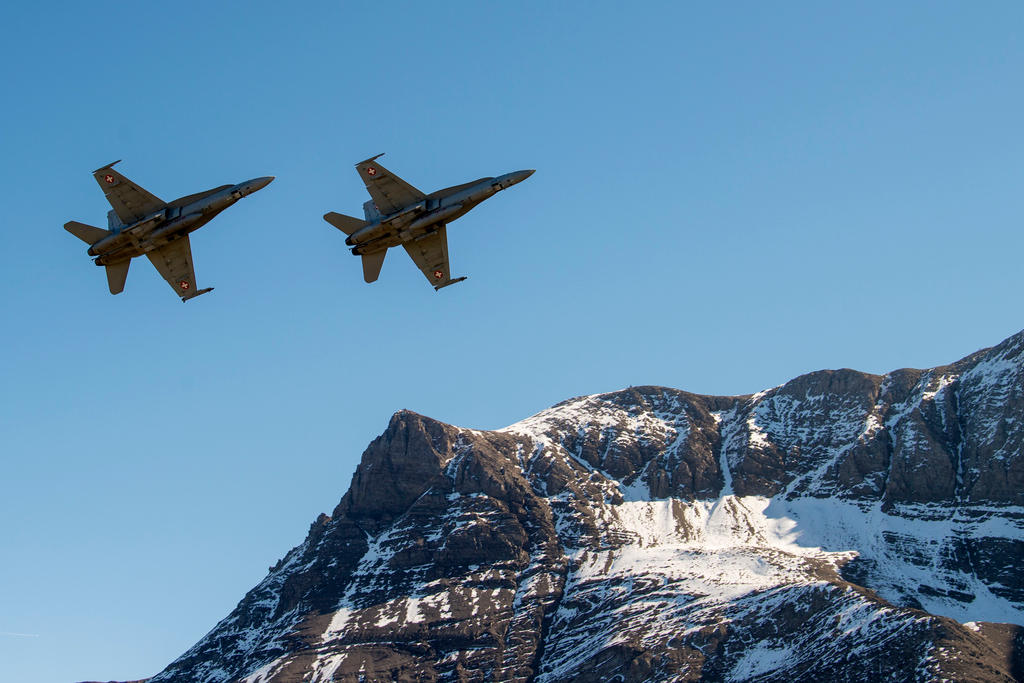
(510, 179)
(260, 183)
(250, 186)
(520, 176)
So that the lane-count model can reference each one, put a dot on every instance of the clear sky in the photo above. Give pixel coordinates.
(726, 196)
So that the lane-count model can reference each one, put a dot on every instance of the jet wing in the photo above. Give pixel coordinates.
(430, 254)
(131, 203)
(174, 261)
(389, 192)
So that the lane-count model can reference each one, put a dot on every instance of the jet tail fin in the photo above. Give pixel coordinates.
(114, 221)
(117, 273)
(371, 211)
(87, 233)
(372, 264)
(347, 224)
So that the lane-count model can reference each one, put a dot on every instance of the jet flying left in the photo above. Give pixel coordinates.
(140, 223)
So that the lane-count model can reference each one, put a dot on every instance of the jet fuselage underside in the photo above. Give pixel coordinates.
(162, 227)
(422, 218)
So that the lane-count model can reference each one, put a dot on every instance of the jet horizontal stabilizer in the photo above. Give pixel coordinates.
(347, 224)
(87, 233)
(450, 282)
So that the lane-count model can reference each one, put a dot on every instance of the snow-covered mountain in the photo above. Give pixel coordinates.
(842, 527)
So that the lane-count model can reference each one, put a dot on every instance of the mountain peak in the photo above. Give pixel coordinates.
(839, 524)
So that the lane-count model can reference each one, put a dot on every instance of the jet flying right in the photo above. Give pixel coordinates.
(140, 223)
(399, 214)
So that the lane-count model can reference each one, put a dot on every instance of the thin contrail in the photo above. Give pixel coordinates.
(19, 635)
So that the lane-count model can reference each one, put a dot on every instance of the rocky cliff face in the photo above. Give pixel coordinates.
(843, 526)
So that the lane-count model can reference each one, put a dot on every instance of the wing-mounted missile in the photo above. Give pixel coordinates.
(373, 158)
(450, 282)
(199, 292)
(110, 165)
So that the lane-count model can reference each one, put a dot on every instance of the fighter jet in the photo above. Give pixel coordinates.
(140, 223)
(398, 213)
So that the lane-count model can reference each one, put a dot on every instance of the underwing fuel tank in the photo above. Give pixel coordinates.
(378, 230)
(367, 234)
(392, 223)
(127, 233)
(164, 230)
(439, 216)
(108, 244)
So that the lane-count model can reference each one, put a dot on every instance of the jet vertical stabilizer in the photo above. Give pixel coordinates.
(117, 273)
(372, 264)
(371, 211)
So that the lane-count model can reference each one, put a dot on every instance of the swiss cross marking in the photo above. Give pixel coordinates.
(183, 284)
(109, 179)
(438, 275)
(370, 170)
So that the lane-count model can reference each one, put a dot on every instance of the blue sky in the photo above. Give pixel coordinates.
(725, 197)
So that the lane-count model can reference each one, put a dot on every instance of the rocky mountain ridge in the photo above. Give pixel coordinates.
(842, 526)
